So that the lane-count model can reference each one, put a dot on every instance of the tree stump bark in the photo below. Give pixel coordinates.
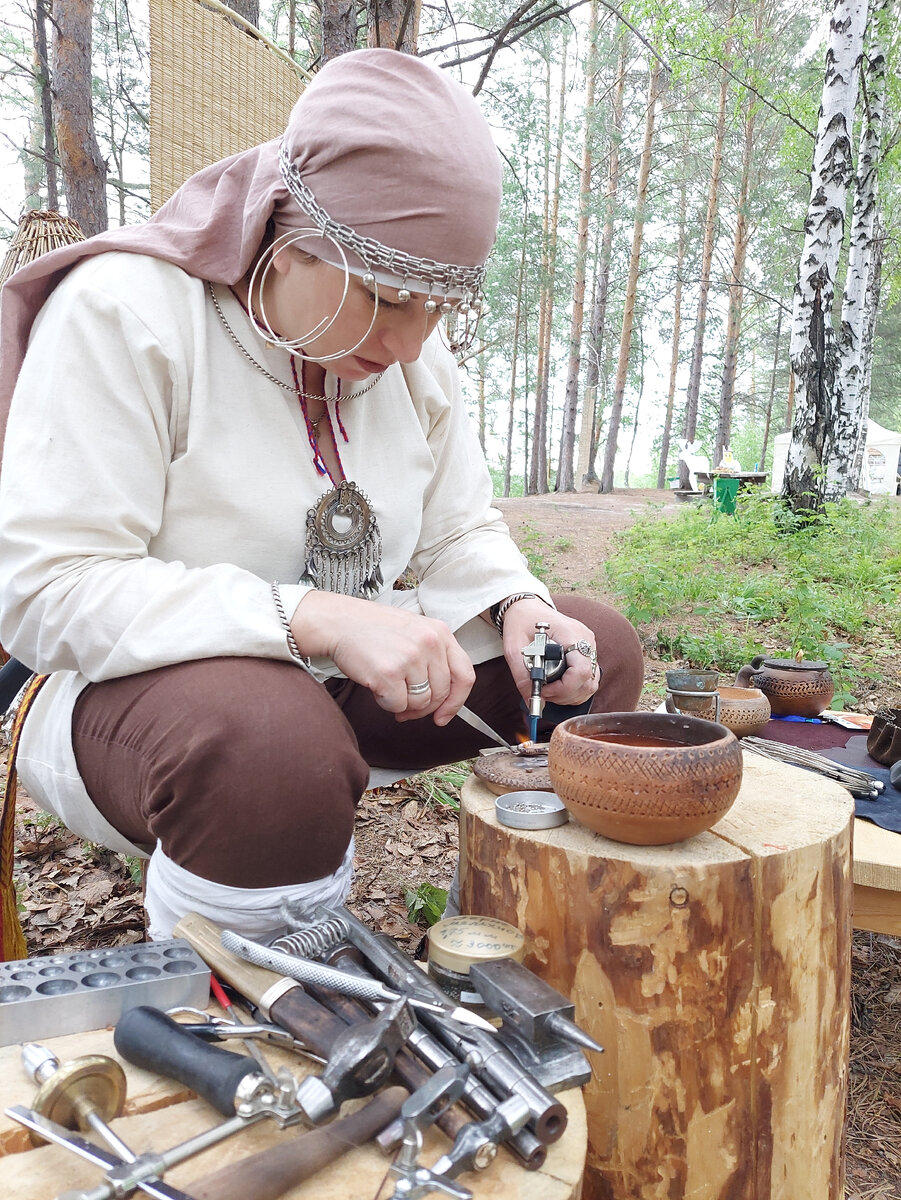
(715, 972)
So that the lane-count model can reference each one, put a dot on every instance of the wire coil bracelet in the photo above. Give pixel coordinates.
(286, 625)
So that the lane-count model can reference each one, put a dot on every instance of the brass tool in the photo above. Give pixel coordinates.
(85, 1093)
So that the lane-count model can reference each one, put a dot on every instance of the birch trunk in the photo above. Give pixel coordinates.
(625, 340)
(693, 391)
(850, 419)
(874, 285)
(677, 325)
(565, 480)
(814, 349)
(736, 292)
(589, 436)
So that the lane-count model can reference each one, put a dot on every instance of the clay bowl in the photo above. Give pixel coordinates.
(743, 710)
(645, 778)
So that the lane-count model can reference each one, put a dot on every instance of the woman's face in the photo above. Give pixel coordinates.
(302, 292)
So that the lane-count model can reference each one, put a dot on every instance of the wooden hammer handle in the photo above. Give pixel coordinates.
(268, 1174)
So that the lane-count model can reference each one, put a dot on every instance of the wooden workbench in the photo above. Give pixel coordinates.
(161, 1114)
(877, 878)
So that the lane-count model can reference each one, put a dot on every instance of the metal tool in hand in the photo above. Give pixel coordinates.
(545, 661)
(419, 1112)
(360, 988)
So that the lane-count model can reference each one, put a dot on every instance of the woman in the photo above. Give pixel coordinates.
(252, 388)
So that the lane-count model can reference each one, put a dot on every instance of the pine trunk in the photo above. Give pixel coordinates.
(769, 404)
(84, 171)
(591, 417)
(736, 293)
(248, 9)
(517, 319)
(565, 480)
(625, 340)
(677, 325)
(814, 346)
(690, 424)
(538, 472)
(850, 418)
(394, 24)
(339, 28)
(48, 141)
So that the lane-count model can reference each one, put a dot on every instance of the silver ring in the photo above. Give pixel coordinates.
(419, 689)
(582, 647)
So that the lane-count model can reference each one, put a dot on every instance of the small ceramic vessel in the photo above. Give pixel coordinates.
(645, 778)
(794, 688)
(743, 710)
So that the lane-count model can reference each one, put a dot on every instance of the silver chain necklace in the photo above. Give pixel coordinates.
(289, 387)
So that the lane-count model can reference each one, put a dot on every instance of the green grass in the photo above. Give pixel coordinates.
(717, 589)
(441, 785)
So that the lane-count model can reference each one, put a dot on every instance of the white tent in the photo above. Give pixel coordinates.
(880, 461)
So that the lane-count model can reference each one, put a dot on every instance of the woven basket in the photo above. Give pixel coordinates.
(37, 233)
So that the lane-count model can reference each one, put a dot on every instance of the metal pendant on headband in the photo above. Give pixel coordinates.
(344, 546)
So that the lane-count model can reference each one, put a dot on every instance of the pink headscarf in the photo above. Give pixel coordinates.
(387, 144)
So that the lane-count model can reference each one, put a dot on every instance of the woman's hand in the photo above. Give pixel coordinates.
(580, 681)
(388, 650)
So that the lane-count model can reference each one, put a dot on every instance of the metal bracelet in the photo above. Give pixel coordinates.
(499, 611)
(283, 617)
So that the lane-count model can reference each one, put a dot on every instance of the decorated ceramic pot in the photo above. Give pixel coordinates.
(645, 778)
(793, 688)
(743, 710)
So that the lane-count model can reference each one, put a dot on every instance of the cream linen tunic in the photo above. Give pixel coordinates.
(154, 482)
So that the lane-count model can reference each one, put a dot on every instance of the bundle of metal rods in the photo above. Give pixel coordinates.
(858, 783)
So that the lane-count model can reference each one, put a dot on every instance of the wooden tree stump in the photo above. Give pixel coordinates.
(715, 972)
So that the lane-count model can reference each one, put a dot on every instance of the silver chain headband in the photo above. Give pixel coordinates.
(442, 279)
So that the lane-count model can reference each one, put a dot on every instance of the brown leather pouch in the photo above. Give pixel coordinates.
(884, 738)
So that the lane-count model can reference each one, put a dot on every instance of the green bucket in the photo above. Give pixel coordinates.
(724, 493)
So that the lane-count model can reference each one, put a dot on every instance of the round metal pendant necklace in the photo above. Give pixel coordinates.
(343, 545)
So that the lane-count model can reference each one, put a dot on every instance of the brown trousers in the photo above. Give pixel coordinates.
(248, 771)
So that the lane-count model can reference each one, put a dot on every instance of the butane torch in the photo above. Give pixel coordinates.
(546, 662)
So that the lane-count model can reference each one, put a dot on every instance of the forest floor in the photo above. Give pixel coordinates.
(75, 896)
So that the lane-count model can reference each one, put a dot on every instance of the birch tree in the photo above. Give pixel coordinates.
(814, 348)
(850, 413)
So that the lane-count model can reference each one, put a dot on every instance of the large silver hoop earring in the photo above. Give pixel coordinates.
(294, 345)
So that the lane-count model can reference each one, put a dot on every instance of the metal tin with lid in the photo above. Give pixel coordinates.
(530, 810)
(456, 943)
